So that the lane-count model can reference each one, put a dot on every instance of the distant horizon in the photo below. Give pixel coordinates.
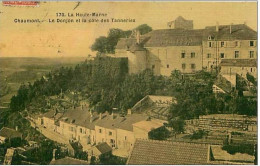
(46, 39)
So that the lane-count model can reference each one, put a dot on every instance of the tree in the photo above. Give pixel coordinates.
(159, 134)
(144, 28)
(100, 45)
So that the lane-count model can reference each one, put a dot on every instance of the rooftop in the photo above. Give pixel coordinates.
(103, 148)
(168, 153)
(69, 161)
(239, 62)
(194, 37)
(81, 116)
(9, 133)
(148, 125)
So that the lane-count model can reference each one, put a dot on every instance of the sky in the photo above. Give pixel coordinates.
(75, 39)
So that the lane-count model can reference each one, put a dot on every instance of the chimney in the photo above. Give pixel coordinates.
(53, 154)
(137, 36)
(217, 27)
(129, 112)
(112, 115)
(230, 28)
(16, 128)
(91, 117)
(100, 116)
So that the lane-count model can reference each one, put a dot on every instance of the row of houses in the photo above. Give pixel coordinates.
(89, 128)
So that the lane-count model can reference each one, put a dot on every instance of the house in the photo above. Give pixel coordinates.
(186, 49)
(69, 161)
(100, 149)
(88, 128)
(10, 153)
(141, 129)
(8, 133)
(154, 152)
(242, 67)
(228, 42)
(154, 106)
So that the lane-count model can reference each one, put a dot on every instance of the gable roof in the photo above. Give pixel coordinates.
(148, 125)
(9, 133)
(174, 37)
(69, 161)
(168, 153)
(125, 123)
(103, 148)
(239, 62)
(194, 37)
(238, 32)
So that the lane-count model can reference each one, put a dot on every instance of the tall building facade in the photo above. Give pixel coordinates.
(186, 49)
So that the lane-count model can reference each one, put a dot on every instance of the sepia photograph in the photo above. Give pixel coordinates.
(128, 83)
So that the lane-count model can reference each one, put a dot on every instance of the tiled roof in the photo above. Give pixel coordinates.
(238, 32)
(239, 62)
(223, 83)
(168, 153)
(174, 37)
(125, 123)
(69, 161)
(9, 133)
(194, 37)
(81, 117)
(148, 125)
(103, 148)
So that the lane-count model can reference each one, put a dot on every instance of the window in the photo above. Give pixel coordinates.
(251, 54)
(222, 44)
(110, 133)
(125, 137)
(192, 66)
(251, 69)
(80, 130)
(236, 54)
(251, 43)
(100, 130)
(183, 54)
(237, 44)
(210, 44)
(183, 66)
(192, 55)
(208, 55)
(168, 65)
(71, 129)
(222, 55)
(153, 66)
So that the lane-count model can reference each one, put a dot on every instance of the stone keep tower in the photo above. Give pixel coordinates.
(181, 23)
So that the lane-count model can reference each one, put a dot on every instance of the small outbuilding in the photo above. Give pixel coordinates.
(8, 133)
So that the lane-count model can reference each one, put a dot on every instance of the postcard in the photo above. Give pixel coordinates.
(128, 82)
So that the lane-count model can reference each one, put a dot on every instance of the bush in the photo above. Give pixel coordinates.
(159, 134)
(241, 148)
(198, 134)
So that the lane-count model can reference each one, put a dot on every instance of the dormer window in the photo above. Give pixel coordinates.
(210, 37)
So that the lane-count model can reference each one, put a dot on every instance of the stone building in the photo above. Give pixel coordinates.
(186, 49)
(228, 42)
(81, 125)
(181, 23)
